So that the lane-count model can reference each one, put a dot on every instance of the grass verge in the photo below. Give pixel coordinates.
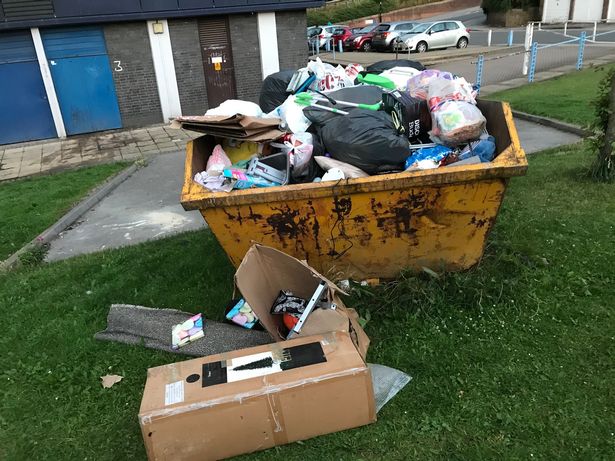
(29, 206)
(567, 98)
(512, 359)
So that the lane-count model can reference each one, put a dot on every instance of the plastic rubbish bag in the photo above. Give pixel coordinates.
(410, 115)
(299, 149)
(329, 77)
(441, 89)
(427, 158)
(273, 91)
(236, 106)
(364, 94)
(387, 382)
(418, 85)
(456, 122)
(327, 163)
(291, 115)
(483, 149)
(400, 76)
(366, 139)
(334, 174)
(217, 161)
(387, 64)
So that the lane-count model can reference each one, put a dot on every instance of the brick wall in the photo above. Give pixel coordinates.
(419, 12)
(188, 65)
(246, 55)
(135, 85)
(292, 50)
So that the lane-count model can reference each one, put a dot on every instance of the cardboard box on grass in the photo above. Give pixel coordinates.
(264, 271)
(314, 384)
(252, 399)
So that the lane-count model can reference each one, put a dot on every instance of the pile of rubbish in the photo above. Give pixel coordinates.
(326, 123)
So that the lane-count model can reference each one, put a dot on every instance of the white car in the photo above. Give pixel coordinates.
(433, 36)
(320, 34)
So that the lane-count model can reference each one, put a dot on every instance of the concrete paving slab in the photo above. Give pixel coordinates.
(536, 137)
(144, 207)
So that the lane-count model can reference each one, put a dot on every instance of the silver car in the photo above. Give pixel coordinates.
(386, 33)
(434, 35)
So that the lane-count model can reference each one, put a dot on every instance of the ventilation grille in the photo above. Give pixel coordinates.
(26, 9)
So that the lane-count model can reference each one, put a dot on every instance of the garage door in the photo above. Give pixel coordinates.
(587, 10)
(24, 111)
(555, 11)
(82, 78)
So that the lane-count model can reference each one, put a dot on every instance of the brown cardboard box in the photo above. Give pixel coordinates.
(264, 271)
(225, 405)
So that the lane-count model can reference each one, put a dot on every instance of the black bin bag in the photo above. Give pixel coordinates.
(366, 139)
(273, 91)
(410, 115)
(363, 94)
(381, 66)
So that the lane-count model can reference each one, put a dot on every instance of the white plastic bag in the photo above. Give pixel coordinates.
(299, 149)
(236, 106)
(291, 115)
(441, 89)
(329, 78)
(217, 161)
(350, 171)
(400, 76)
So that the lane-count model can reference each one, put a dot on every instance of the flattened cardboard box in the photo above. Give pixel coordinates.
(253, 399)
(264, 271)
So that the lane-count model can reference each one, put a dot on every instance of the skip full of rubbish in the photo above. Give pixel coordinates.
(395, 116)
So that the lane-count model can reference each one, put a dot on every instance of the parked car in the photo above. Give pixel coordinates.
(362, 40)
(321, 34)
(435, 35)
(386, 33)
(340, 34)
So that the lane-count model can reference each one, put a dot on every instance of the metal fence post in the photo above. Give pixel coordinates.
(333, 47)
(479, 72)
(341, 46)
(327, 46)
(489, 37)
(582, 39)
(595, 29)
(566, 28)
(533, 62)
(529, 36)
(510, 37)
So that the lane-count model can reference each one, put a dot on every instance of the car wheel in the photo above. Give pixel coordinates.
(367, 46)
(462, 43)
(421, 47)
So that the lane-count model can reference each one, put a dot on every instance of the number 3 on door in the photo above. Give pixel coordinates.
(118, 66)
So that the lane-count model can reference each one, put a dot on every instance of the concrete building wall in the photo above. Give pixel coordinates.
(188, 65)
(133, 73)
(243, 30)
(293, 51)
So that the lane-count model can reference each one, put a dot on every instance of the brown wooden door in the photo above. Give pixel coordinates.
(217, 60)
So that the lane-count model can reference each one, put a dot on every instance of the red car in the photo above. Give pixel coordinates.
(340, 34)
(362, 40)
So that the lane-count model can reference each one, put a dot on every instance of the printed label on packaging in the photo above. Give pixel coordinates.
(174, 393)
(264, 363)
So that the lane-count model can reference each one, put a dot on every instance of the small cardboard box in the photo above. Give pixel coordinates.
(252, 399)
(264, 271)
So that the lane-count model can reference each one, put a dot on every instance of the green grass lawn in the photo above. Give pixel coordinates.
(510, 360)
(566, 98)
(29, 206)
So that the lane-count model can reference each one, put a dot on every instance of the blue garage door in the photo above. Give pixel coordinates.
(24, 109)
(82, 78)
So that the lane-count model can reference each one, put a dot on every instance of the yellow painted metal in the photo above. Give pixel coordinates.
(368, 227)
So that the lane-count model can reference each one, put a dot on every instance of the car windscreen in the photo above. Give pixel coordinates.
(419, 29)
(383, 28)
(313, 31)
(367, 29)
